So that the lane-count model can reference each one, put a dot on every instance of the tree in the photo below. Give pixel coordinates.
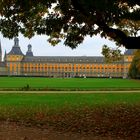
(134, 71)
(72, 20)
(111, 55)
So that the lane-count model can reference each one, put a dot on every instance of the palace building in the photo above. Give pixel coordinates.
(15, 63)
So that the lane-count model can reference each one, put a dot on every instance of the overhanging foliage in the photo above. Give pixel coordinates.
(72, 20)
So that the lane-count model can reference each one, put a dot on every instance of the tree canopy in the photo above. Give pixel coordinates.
(111, 55)
(134, 71)
(72, 20)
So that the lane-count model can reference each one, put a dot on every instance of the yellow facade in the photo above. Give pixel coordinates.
(17, 67)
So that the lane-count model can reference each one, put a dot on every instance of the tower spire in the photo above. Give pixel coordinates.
(16, 40)
(5, 56)
(29, 52)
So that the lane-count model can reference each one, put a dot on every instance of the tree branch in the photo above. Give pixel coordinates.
(117, 35)
(120, 37)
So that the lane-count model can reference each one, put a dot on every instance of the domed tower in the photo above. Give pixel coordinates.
(14, 58)
(29, 51)
(16, 49)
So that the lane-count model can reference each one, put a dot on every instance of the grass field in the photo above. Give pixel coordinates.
(30, 103)
(67, 99)
(110, 114)
(67, 83)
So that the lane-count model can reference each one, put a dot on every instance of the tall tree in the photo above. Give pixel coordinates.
(111, 55)
(134, 71)
(72, 20)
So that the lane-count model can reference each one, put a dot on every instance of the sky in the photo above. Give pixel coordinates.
(40, 46)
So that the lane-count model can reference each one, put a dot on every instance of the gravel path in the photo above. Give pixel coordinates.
(129, 91)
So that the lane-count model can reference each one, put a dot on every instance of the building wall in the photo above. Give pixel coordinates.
(16, 66)
(13, 63)
(73, 69)
(3, 71)
(127, 62)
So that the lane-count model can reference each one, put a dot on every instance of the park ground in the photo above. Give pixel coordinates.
(70, 116)
(89, 109)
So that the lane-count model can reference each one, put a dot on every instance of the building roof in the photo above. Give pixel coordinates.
(64, 59)
(129, 52)
(16, 49)
(29, 53)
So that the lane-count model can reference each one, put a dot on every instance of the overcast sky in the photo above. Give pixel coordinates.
(40, 46)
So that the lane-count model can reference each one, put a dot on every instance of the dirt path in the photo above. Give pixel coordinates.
(13, 131)
(129, 91)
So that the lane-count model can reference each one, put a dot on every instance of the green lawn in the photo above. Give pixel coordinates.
(24, 105)
(54, 100)
(68, 83)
